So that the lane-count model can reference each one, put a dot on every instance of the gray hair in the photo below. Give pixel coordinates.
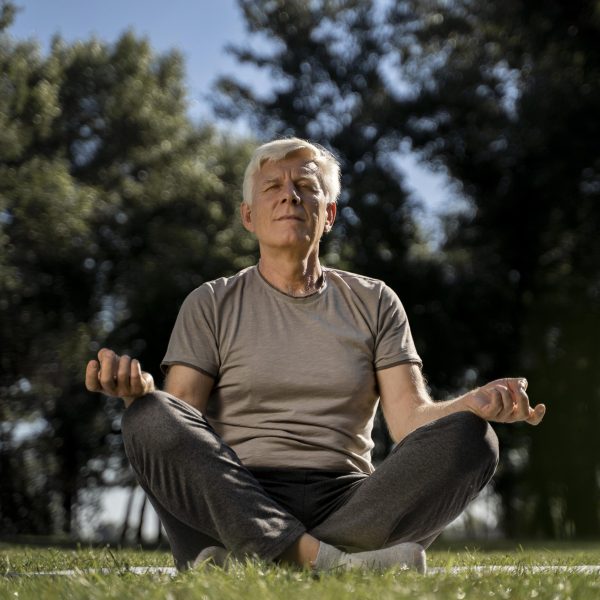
(329, 167)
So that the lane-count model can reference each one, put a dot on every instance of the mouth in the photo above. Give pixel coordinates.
(289, 218)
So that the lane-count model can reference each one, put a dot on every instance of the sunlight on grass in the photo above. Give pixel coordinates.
(267, 582)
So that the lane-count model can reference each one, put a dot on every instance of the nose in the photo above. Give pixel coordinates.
(291, 193)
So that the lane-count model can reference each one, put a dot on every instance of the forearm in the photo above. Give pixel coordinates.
(425, 412)
(502, 401)
(407, 405)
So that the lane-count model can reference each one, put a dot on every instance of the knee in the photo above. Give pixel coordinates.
(142, 412)
(151, 421)
(474, 441)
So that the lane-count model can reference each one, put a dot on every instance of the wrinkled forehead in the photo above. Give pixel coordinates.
(299, 163)
(272, 167)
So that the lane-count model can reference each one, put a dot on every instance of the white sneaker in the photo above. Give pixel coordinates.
(213, 556)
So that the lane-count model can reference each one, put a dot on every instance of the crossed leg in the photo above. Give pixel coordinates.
(204, 496)
(197, 485)
(422, 486)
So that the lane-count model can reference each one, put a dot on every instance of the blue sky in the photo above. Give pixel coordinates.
(199, 30)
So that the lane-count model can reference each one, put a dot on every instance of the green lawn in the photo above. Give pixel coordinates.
(265, 582)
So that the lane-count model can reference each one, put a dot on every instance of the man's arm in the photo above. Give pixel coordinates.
(189, 385)
(121, 376)
(407, 405)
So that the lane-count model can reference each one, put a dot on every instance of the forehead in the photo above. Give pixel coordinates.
(297, 164)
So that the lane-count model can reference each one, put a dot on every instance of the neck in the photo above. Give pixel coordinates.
(293, 277)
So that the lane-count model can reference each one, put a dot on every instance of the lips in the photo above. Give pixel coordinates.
(289, 218)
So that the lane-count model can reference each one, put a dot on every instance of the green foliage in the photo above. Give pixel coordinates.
(508, 103)
(113, 206)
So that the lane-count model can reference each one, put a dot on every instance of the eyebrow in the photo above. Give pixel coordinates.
(310, 175)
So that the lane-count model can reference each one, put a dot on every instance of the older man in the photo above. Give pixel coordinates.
(260, 444)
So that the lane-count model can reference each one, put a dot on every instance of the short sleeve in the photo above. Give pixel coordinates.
(394, 343)
(193, 340)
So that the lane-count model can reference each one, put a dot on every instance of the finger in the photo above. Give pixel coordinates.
(512, 383)
(105, 353)
(537, 414)
(123, 376)
(136, 378)
(506, 403)
(516, 385)
(91, 376)
(521, 408)
(109, 363)
(498, 403)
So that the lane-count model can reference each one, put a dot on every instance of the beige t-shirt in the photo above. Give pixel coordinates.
(295, 382)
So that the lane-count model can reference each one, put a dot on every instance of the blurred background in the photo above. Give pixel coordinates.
(469, 137)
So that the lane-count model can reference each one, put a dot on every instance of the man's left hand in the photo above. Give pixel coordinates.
(504, 401)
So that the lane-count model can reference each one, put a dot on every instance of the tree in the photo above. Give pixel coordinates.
(113, 206)
(507, 103)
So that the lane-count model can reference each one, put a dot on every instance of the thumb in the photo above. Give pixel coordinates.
(536, 414)
(148, 381)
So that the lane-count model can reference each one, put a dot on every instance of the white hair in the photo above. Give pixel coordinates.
(327, 163)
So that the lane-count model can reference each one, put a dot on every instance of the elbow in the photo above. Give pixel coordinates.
(415, 418)
(397, 435)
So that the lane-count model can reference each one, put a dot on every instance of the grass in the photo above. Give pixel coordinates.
(265, 582)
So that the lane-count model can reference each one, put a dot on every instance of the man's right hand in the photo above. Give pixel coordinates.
(118, 376)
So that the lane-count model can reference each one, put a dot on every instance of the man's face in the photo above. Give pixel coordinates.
(289, 210)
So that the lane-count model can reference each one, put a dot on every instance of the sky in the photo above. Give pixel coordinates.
(200, 30)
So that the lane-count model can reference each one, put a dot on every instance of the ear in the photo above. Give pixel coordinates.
(246, 214)
(331, 209)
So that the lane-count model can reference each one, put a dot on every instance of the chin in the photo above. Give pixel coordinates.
(295, 242)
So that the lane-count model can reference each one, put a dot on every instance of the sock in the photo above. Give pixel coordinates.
(213, 556)
(406, 555)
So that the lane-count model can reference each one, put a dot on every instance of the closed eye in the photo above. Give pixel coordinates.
(306, 184)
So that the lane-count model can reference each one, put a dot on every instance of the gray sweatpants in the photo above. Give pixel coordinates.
(204, 496)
